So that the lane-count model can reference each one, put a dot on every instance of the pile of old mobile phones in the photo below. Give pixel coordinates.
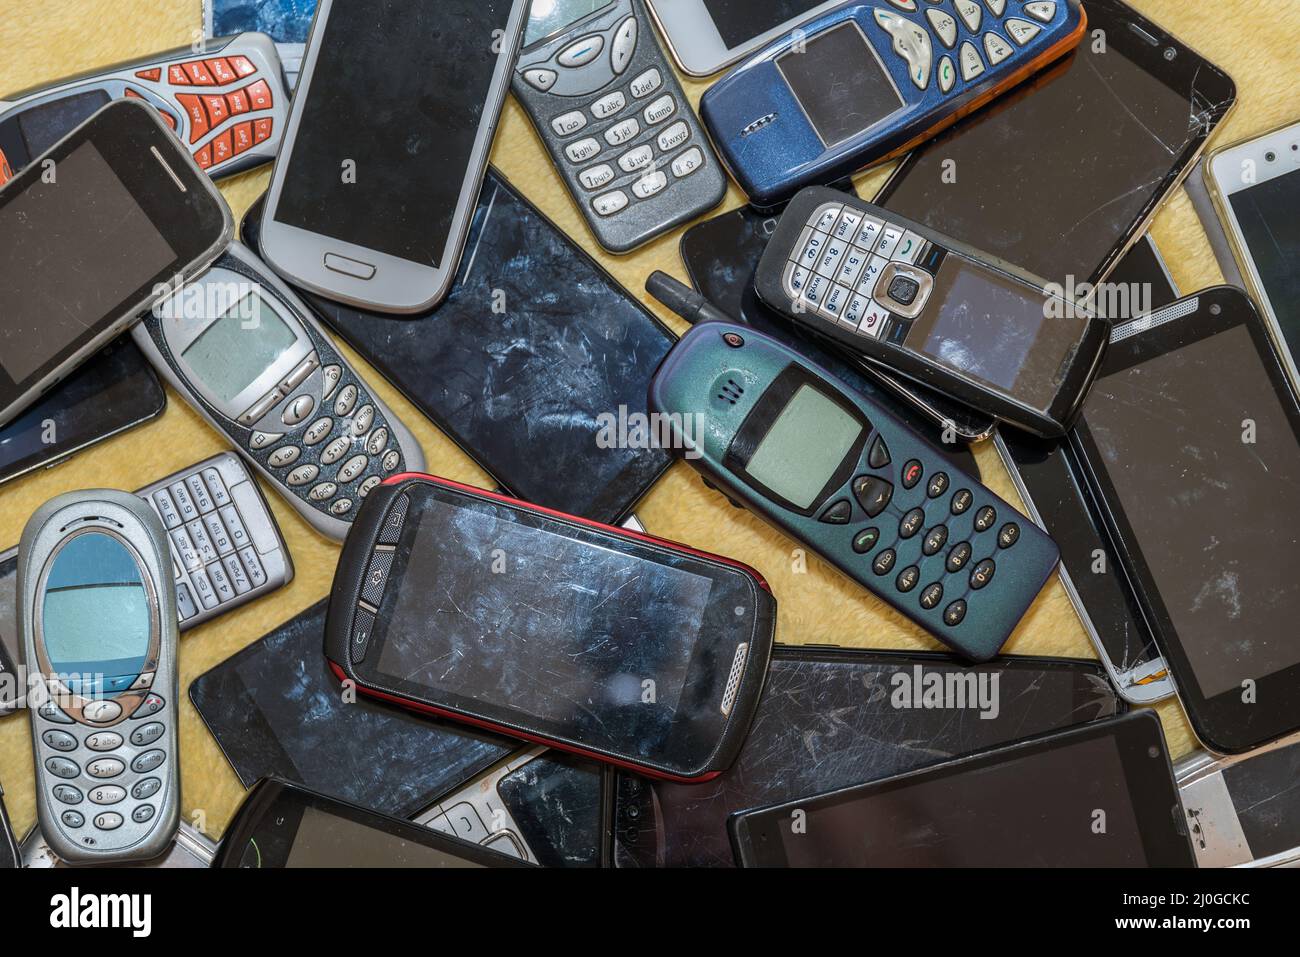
(607, 643)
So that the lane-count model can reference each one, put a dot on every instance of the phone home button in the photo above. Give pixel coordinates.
(349, 267)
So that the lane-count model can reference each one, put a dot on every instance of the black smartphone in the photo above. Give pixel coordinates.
(529, 365)
(721, 255)
(1098, 795)
(1190, 442)
(286, 825)
(621, 647)
(1056, 496)
(1085, 153)
(115, 390)
(9, 853)
(276, 711)
(831, 717)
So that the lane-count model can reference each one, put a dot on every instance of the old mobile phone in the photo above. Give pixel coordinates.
(247, 353)
(227, 103)
(720, 256)
(1056, 496)
(126, 216)
(1101, 140)
(190, 848)
(706, 35)
(525, 391)
(618, 126)
(831, 717)
(112, 392)
(275, 711)
(848, 480)
(1031, 804)
(867, 81)
(618, 646)
(1255, 187)
(285, 825)
(371, 195)
(938, 311)
(1243, 811)
(539, 805)
(97, 614)
(1190, 444)
(287, 22)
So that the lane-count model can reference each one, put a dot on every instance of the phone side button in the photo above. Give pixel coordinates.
(349, 267)
(362, 626)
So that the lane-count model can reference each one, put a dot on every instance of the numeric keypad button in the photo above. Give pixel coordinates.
(938, 485)
(911, 523)
(646, 83)
(67, 794)
(674, 136)
(1009, 535)
(955, 613)
(985, 518)
(104, 741)
(346, 400)
(597, 176)
(636, 159)
(105, 768)
(931, 596)
(147, 761)
(971, 64)
(62, 767)
(884, 562)
(72, 819)
(908, 579)
(302, 475)
(146, 788)
(1022, 31)
(608, 105)
(935, 539)
(569, 123)
(147, 734)
(962, 501)
(982, 574)
(958, 557)
(60, 740)
(284, 456)
(317, 431)
(108, 821)
(610, 203)
(143, 814)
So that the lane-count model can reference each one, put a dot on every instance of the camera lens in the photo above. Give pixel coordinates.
(1270, 156)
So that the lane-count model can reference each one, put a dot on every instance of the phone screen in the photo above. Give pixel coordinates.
(1056, 176)
(739, 21)
(1269, 217)
(557, 802)
(328, 840)
(833, 719)
(383, 142)
(275, 710)
(532, 389)
(284, 21)
(1265, 791)
(11, 647)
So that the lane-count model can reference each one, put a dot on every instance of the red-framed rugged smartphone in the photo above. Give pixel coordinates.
(481, 608)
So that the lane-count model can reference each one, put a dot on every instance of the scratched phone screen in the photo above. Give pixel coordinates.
(284, 21)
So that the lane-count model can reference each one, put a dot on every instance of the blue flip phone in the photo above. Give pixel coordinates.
(868, 81)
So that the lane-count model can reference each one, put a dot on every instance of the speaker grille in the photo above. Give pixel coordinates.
(733, 679)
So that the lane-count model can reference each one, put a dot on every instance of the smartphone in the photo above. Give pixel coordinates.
(864, 82)
(10, 857)
(189, 849)
(1243, 811)
(531, 392)
(830, 717)
(1190, 445)
(97, 615)
(704, 36)
(1036, 803)
(285, 825)
(372, 192)
(721, 255)
(287, 22)
(844, 478)
(125, 216)
(615, 121)
(1102, 138)
(610, 644)
(113, 391)
(1255, 187)
(935, 310)
(275, 711)
(1056, 496)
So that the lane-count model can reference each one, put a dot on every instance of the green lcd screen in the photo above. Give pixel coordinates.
(243, 343)
(804, 447)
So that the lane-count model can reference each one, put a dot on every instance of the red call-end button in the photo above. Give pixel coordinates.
(222, 148)
(176, 75)
(242, 65)
(243, 135)
(261, 130)
(222, 71)
(259, 94)
(203, 157)
(198, 119)
(153, 75)
(198, 73)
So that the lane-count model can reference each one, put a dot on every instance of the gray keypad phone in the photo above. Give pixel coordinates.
(604, 100)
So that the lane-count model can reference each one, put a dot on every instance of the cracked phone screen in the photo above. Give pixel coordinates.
(831, 720)
(1053, 177)
(1209, 510)
(1265, 791)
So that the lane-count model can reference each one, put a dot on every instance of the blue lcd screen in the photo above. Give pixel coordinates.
(95, 617)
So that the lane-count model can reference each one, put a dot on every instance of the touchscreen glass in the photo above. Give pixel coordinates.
(327, 840)
(1269, 217)
(741, 20)
(1206, 463)
(405, 133)
(1265, 790)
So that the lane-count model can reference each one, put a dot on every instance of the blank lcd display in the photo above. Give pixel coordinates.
(326, 840)
(741, 20)
(1269, 217)
(239, 346)
(804, 447)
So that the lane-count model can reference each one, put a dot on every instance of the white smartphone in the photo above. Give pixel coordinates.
(706, 35)
(1255, 187)
(386, 147)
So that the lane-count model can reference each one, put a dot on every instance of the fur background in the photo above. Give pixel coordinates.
(41, 42)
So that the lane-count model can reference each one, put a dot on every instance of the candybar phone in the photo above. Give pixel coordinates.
(831, 717)
(867, 81)
(1032, 804)
(97, 615)
(721, 255)
(285, 825)
(1102, 138)
(611, 644)
(523, 391)
(613, 117)
(124, 218)
(1190, 445)
(226, 103)
(189, 849)
(935, 310)
(842, 476)
(371, 195)
(248, 354)
(112, 392)
(1243, 811)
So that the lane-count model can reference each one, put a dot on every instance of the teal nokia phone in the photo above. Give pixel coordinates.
(848, 480)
